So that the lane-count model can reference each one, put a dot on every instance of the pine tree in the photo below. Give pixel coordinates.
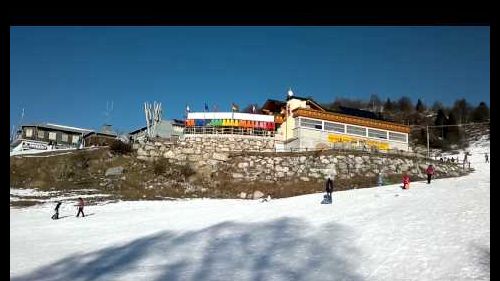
(388, 105)
(481, 113)
(420, 106)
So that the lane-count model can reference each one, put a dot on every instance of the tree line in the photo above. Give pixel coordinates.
(403, 110)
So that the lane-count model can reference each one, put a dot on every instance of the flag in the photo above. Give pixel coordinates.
(187, 108)
(253, 108)
(206, 107)
(234, 107)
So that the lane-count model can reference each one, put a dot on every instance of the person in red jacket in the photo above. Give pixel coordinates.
(406, 181)
(80, 207)
(430, 172)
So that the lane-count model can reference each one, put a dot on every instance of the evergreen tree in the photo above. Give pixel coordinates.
(462, 110)
(481, 113)
(388, 105)
(405, 105)
(420, 106)
(440, 120)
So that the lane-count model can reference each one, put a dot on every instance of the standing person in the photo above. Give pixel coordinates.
(430, 172)
(80, 207)
(380, 180)
(329, 187)
(406, 181)
(486, 158)
(56, 215)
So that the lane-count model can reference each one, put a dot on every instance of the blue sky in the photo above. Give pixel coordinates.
(67, 75)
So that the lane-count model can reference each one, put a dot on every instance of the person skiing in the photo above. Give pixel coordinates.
(80, 207)
(429, 172)
(406, 181)
(56, 215)
(329, 187)
(486, 158)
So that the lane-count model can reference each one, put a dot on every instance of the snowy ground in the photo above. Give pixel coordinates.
(429, 232)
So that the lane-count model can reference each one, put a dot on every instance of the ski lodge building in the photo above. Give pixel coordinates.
(301, 124)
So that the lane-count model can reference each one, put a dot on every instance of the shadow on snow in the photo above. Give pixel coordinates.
(284, 249)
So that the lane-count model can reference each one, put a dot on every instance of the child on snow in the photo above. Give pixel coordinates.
(429, 172)
(80, 207)
(56, 215)
(329, 186)
(406, 181)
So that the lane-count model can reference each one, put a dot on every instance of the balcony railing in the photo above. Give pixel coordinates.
(205, 130)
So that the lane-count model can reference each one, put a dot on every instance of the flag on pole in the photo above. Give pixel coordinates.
(253, 108)
(234, 107)
(206, 107)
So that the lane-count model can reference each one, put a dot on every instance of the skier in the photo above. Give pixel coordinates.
(329, 188)
(80, 207)
(406, 181)
(56, 215)
(486, 158)
(430, 172)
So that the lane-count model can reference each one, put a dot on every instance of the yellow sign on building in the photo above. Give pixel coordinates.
(343, 139)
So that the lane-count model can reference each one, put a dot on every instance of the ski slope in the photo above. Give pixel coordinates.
(439, 231)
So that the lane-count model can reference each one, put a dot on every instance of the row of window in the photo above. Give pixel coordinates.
(53, 136)
(354, 130)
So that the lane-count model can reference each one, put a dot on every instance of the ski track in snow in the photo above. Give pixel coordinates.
(429, 232)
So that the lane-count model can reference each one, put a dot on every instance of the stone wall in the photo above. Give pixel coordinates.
(313, 167)
(214, 156)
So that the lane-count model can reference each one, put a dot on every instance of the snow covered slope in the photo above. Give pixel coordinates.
(439, 231)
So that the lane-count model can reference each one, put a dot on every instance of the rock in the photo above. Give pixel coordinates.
(257, 194)
(243, 195)
(220, 156)
(115, 171)
(237, 175)
(304, 178)
(169, 154)
(302, 159)
(242, 165)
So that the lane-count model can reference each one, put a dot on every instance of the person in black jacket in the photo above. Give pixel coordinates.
(329, 187)
(56, 215)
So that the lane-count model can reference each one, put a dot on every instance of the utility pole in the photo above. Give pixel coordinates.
(428, 151)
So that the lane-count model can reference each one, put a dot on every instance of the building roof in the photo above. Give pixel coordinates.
(60, 127)
(350, 119)
(358, 112)
(100, 134)
(273, 106)
(308, 100)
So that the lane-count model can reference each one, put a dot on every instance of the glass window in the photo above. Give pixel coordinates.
(356, 130)
(397, 136)
(309, 123)
(41, 134)
(29, 132)
(52, 135)
(334, 127)
(75, 138)
(377, 134)
(64, 137)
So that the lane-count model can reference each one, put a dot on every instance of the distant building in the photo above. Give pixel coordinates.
(40, 136)
(167, 129)
(103, 138)
(307, 125)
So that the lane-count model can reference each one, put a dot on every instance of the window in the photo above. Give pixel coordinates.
(397, 136)
(356, 130)
(75, 138)
(334, 127)
(52, 136)
(29, 132)
(377, 134)
(309, 123)
(64, 137)
(41, 134)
